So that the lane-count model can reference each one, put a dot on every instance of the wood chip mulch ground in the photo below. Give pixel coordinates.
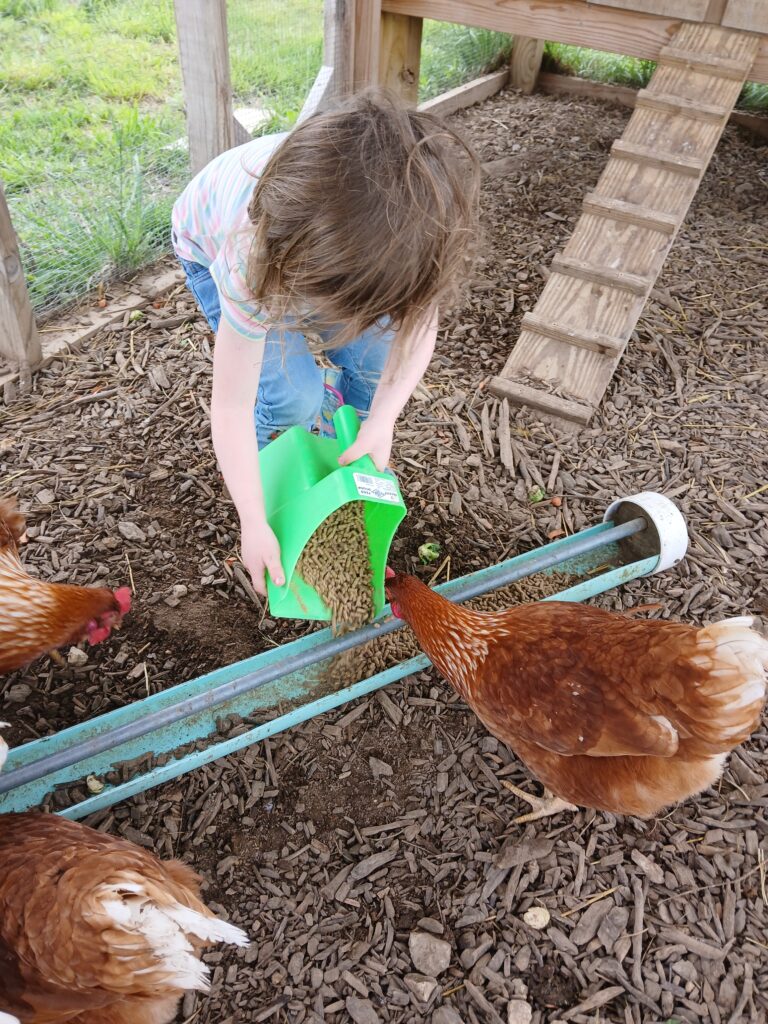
(370, 852)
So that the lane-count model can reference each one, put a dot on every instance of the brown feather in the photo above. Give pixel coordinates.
(619, 714)
(35, 616)
(62, 956)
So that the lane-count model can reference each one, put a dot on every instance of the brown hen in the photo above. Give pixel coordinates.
(37, 617)
(95, 930)
(618, 714)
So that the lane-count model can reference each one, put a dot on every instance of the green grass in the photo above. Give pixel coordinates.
(91, 104)
(452, 54)
(91, 100)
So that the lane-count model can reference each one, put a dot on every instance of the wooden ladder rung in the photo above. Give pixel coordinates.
(592, 340)
(631, 213)
(692, 166)
(606, 276)
(524, 394)
(705, 63)
(671, 104)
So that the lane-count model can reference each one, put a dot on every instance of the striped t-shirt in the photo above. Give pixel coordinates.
(211, 226)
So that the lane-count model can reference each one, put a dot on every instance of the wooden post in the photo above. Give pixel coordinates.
(367, 43)
(204, 56)
(400, 54)
(19, 340)
(339, 44)
(526, 62)
(715, 11)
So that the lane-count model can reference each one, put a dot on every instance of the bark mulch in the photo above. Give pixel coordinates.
(370, 853)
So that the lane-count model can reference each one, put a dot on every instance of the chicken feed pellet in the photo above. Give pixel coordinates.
(337, 563)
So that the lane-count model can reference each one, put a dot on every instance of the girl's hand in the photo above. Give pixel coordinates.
(374, 439)
(260, 553)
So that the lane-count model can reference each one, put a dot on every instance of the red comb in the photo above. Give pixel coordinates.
(389, 573)
(123, 598)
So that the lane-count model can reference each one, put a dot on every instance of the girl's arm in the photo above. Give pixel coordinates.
(398, 382)
(236, 371)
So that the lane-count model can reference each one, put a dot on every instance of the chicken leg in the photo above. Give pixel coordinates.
(543, 806)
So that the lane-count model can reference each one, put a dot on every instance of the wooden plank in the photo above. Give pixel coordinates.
(680, 105)
(616, 242)
(715, 11)
(749, 15)
(581, 338)
(567, 85)
(608, 277)
(632, 213)
(566, 21)
(525, 64)
(524, 394)
(339, 44)
(705, 63)
(691, 166)
(367, 45)
(201, 27)
(400, 54)
(691, 10)
(19, 340)
(465, 95)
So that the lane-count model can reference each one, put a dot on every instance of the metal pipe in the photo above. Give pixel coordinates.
(455, 590)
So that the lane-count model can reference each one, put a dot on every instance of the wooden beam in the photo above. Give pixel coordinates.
(339, 44)
(566, 21)
(679, 105)
(367, 43)
(580, 338)
(748, 15)
(524, 394)
(19, 340)
(630, 213)
(623, 96)
(201, 26)
(692, 166)
(465, 95)
(691, 10)
(525, 64)
(704, 63)
(606, 277)
(400, 55)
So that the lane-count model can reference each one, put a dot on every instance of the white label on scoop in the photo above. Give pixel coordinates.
(375, 488)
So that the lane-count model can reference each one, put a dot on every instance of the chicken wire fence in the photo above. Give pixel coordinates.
(92, 131)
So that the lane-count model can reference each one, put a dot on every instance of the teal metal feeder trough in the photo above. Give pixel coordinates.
(640, 535)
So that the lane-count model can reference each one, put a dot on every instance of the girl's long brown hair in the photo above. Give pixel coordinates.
(363, 213)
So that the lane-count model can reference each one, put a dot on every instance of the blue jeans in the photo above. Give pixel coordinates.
(293, 389)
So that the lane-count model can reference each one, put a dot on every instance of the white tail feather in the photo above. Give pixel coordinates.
(737, 653)
(6, 1018)
(166, 930)
(209, 929)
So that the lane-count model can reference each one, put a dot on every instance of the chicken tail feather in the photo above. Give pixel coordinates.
(731, 660)
(173, 932)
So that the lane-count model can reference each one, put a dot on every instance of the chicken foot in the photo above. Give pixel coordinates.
(544, 806)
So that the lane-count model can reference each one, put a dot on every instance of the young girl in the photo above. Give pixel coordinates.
(322, 281)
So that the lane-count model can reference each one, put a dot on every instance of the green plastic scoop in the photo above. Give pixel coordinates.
(304, 484)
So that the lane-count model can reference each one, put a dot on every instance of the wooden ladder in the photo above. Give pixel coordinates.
(571, 343)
